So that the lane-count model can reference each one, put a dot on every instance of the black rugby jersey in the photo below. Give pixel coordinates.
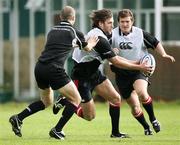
(60, 41)
(149, 40)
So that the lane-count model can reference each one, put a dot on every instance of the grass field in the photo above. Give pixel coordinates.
(79, 132)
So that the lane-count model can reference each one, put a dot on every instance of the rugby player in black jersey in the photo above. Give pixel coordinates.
(50, 73)
(87, 76)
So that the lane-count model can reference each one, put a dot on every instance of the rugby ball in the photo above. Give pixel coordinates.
(150, 60)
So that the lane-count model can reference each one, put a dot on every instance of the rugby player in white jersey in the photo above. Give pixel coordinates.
(132, 43)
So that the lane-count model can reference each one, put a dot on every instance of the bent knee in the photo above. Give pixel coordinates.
(116, 100)
(136, 110)
(74, 100)
(89, 117)
(47, 101)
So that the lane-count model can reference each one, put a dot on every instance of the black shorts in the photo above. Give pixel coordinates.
(50, 75)
(125, 81)
(86, 85)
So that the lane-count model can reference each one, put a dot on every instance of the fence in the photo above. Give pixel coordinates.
(165, 80)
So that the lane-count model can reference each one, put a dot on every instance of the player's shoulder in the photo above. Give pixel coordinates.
(116, 29)
(96, 32)
(137, 30)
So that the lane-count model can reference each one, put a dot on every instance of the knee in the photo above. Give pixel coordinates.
(146, 100)
(47, 97)
(76, 100)
(116, 100)
(136, 110)
(47, 101)
(143, 95)
(89, 117)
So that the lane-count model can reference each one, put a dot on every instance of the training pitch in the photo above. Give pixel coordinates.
(36, 128)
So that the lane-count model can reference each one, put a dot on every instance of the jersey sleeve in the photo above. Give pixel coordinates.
(149, 40)
(104, 49)
(81, 42)
(110, 38)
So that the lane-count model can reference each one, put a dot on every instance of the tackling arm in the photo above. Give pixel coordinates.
(125, 64)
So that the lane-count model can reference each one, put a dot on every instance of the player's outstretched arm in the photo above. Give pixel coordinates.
(121, 62)
(92, 41)
(162, 52)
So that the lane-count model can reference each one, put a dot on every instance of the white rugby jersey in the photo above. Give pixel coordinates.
(130, 46)
(84, 56)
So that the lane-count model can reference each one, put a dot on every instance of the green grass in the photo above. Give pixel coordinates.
(79, 132)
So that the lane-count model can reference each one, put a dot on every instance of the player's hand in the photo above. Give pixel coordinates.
(169, 57)
(145, 68)
(92, 41)
(116, 50)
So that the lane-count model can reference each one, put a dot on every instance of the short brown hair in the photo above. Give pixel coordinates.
(100, 16)
(125, 13)
(66, 13)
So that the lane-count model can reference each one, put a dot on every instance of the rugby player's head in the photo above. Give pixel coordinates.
(125, 20)
(125, 13)
(68, 14)
(102, 19)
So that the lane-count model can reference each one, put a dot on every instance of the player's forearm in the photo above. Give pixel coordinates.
(130, 61)
(88, 47)
(125, 64)
(160, 50)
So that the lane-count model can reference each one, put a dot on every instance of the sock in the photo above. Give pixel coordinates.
(31, 109)
(63, 100)
(148, 106)
(114, 111)
(141, 119)
(79, 112)
(66, 115)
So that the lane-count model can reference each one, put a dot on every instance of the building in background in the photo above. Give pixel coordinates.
(22, 22)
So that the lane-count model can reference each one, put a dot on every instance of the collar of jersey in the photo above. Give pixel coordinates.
(122, 34)
(100, 30)
(65, 23)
